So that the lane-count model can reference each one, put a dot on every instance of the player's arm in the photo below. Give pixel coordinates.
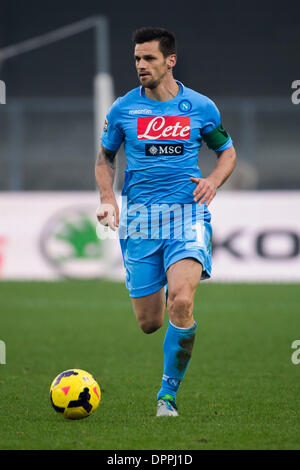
(207, 187)
(217, 139)
(105, 168)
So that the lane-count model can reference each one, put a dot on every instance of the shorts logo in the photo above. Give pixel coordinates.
(153, 150)
(185, 106)
(163, 128)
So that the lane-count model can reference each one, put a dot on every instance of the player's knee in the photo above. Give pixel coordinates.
(149, 321)
(180, 306)
(180, 302)
(149, 327)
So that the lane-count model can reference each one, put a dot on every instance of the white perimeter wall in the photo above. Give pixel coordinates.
(53, 236)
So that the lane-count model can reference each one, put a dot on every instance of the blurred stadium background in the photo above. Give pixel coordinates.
(241, 390)
(243, 56)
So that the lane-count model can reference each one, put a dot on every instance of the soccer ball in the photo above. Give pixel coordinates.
(75, 394)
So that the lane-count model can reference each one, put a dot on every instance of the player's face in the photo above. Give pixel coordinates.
(151, 65)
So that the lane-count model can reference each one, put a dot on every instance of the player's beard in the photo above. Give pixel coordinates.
(153, 83)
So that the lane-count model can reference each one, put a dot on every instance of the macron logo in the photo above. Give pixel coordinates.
(140, 111)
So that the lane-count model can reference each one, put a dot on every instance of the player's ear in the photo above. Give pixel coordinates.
(171, 61)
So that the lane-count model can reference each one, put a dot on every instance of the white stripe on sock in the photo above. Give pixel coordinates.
(179, 328)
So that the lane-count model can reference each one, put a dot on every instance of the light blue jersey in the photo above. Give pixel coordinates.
(161, 143)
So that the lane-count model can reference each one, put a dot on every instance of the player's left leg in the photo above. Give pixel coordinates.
(183, 278)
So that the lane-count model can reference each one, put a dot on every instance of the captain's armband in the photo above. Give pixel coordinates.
(216, 138)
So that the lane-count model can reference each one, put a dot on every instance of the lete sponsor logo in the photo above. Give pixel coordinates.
(163, 127)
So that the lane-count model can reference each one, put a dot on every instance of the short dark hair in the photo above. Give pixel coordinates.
(166, 39)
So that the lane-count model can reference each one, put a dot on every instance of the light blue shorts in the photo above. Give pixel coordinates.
(146, 260)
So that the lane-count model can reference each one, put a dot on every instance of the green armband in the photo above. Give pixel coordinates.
(216, 138)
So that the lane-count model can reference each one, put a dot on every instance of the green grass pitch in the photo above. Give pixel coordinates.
(241, 390)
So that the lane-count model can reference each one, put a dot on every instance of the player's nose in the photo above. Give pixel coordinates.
(142, 64)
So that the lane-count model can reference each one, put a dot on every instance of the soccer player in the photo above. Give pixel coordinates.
(163, 124)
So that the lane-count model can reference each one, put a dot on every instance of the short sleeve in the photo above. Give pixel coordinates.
(112, 135)
(213, 133)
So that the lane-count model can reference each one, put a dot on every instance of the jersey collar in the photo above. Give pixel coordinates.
(181, 92)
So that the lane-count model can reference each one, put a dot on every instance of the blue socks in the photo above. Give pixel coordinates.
(177, 348)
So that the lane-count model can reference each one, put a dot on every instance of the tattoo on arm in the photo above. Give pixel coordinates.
(106, 157)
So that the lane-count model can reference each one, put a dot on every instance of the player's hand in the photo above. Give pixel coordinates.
(205, 190)
(108, 214)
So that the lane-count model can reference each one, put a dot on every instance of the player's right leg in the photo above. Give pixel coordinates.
(145, 280)
(149, 311)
